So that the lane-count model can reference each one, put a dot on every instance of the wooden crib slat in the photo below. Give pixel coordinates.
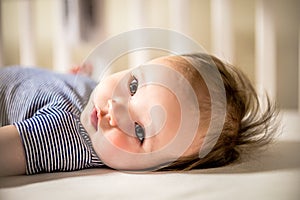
(27, 33)
(61, 49)
(222, 29)
(299, 70)
(138, 17)
(1, 38)
(265, 49)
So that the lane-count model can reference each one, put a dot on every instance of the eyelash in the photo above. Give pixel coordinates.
(139, 130)
(133, 85)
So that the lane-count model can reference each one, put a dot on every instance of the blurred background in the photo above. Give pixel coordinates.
(262, 37)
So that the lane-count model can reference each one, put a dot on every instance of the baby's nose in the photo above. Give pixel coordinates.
(112, 119)
(120, 115)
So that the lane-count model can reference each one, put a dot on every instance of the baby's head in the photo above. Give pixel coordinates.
(158, 116)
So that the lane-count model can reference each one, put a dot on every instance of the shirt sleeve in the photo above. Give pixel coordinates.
(52, 142)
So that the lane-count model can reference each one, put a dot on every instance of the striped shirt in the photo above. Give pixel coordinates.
(45, 107)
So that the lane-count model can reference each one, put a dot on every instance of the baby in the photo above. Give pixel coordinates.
(164, 115)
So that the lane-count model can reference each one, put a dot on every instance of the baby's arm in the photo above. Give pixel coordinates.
(12, 156)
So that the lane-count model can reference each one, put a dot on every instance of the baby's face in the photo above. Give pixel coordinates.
(128, 120)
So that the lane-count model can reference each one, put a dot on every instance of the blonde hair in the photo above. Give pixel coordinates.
(247, 126)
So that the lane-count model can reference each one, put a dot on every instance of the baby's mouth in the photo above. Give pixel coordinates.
(94, 119)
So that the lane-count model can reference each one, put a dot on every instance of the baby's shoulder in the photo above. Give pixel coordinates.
(21, 73)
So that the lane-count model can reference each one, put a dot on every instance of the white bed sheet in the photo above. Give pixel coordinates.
(272, 174)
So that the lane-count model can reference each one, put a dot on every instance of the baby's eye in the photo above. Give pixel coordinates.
(133, 86)
(139, 132)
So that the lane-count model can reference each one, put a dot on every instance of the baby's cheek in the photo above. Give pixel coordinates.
(123, 141)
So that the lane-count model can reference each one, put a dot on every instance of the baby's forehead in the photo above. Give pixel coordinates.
(180, 64)
(174, 73)
(173, 62)
(158, 73)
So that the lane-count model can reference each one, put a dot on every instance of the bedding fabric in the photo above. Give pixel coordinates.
(270, 174)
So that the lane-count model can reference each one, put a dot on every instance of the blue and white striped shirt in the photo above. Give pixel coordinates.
(45, 107)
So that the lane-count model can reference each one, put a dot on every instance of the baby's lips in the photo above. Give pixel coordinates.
(94, 118)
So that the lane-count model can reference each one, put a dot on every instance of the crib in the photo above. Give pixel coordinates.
(261, 37)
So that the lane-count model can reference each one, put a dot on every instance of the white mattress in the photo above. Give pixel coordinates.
(272, 174)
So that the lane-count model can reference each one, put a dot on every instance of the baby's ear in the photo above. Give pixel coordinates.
(84, 69)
